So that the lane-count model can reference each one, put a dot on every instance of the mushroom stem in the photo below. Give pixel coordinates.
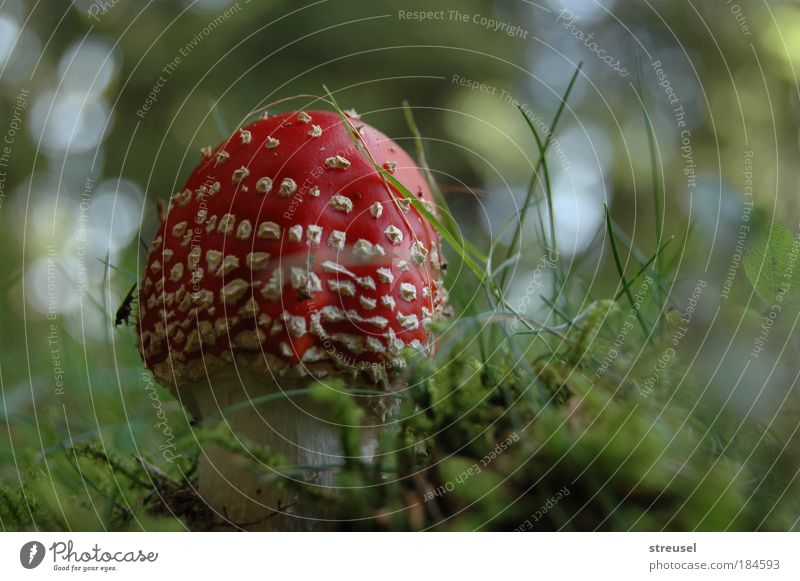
(243, 491)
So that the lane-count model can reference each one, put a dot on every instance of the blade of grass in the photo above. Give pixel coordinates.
(541, 163)
(500, 233)
(556, 309)
(640, 257)
(451, 239)
(126, 273)
(644, 267)
(558, 279)
(621, 272)
(498, 236)
(503, 265)
(423, 162)
(548, 192)
(654, 176)
(218, 119)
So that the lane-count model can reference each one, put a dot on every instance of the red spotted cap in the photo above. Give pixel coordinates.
(288, 252)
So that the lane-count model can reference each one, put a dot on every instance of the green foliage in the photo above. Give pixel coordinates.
(86, 487)
(629, 461)
(771, 263)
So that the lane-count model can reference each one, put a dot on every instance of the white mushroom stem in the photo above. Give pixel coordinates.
(243, 491)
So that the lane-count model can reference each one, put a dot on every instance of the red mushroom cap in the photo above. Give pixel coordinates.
(289, 252)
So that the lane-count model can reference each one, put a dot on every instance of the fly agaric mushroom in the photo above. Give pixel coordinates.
(287, 258)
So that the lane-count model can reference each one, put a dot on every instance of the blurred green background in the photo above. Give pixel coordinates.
(84, 164)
